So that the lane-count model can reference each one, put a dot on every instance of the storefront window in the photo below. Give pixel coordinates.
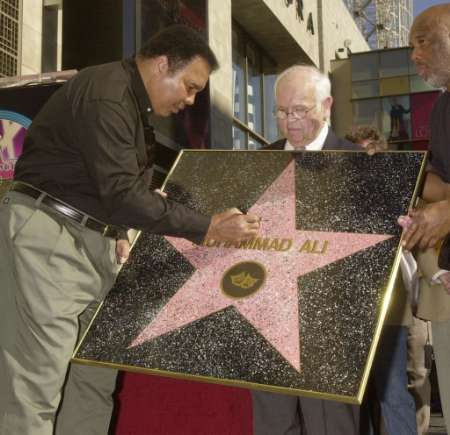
(239, 67)
(366, 112)
(389, 95)
(365, 66)
(254, 75)
(418, 84)
(254, 91)
(421, 107)
(396, 118)
(254, 144)
(365, 89)
(154, 15)
(270, 123)
(394, 63)
(394, 86)
(239, 138)
(190, 127)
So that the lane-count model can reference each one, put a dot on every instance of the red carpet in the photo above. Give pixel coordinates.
(152, 405)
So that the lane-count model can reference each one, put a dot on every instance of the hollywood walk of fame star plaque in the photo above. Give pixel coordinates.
(299, 308)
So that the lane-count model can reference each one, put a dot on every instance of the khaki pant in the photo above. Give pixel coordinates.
(441, 347)
(53, 275)
(419, 376)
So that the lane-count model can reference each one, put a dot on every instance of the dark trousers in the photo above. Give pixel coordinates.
(390, 386)
(279, 414)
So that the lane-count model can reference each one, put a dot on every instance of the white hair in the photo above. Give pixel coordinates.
(313, 76)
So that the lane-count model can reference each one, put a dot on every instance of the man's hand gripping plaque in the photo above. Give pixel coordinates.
(233, 226)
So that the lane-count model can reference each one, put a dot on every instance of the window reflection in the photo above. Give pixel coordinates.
(189, 128)
(365, 89)
(366, 112)
(395, 99)
(254, 94)
(270, 123)
(239, 94)
(418, 84)
(254, 144)
(239, 138)
(155, 15)
(253, 100)
(396, 118)
(394, 63)
(394, 85)
(364, 66)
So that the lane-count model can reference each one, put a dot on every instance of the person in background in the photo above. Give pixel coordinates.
(387, 390)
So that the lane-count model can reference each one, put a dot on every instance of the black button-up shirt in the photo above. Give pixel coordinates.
(440, 137)
(86, 147)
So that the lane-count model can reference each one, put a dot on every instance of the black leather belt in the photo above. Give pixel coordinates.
(67, 211)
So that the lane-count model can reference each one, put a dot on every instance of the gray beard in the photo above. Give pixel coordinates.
(439, 80)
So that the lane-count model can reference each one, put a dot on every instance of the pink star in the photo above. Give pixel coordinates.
(272, 310)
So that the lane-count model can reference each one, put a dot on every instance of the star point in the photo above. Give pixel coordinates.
(284, 253)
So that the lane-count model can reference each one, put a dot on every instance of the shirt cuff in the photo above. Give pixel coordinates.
(436, 278)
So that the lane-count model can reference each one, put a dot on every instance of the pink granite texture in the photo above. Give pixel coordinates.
(273, 310)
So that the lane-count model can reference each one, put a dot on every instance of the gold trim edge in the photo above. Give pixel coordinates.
(390, 286)
(228, 382)
(245, 384)
(137, 234)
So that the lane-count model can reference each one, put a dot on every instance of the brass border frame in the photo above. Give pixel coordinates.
(357, 400)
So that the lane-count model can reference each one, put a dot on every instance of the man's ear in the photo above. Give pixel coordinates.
(327, 103)
(162, 64)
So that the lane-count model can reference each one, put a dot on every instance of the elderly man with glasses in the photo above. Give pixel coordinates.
(303, 98)
(303, 105)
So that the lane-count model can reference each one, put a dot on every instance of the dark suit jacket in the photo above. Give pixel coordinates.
(332, 142)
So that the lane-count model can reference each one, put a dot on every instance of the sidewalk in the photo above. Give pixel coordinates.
(437, 426)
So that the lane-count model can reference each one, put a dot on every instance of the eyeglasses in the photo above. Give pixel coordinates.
(296, 113)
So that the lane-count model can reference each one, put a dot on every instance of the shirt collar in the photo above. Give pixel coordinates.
(316, 145)
(138, 87)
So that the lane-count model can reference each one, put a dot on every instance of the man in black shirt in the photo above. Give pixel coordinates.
(427, 227)
(82, 179)
(430, 41)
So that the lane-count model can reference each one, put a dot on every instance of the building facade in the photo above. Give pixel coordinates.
(253, 40)
(30, 37)
(381, 88)
(266, 37)
(10, 37)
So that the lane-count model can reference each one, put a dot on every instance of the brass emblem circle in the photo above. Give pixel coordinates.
(243, 279)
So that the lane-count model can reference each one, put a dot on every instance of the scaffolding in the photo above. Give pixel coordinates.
(384, 23)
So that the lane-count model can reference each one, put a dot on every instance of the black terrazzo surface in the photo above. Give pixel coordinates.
(338, 304)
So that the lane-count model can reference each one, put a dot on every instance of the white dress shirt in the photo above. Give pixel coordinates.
(315, 145)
